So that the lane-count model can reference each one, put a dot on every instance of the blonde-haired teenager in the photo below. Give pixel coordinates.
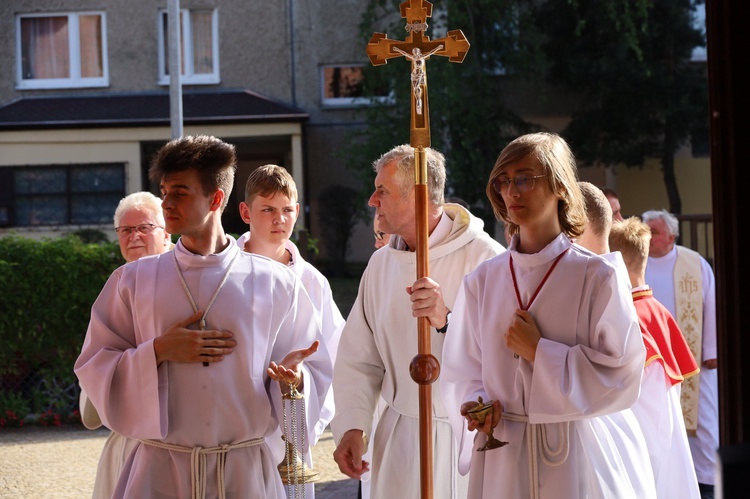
(271, 209)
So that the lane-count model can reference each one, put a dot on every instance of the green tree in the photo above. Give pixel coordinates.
(622, 67)
(638, 95)
(469, 116)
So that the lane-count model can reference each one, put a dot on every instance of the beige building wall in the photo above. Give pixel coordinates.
(642, 188)
(254, 44)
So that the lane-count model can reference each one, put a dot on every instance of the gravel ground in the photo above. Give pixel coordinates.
(60, 463)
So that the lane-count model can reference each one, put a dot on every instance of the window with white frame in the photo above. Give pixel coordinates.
(64, 50)
(83, 194)
(344, 86)
(199, 46)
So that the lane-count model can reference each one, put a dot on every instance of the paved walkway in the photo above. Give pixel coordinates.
(60, 463)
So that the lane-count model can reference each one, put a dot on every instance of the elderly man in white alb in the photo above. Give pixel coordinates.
(683, 282)
(380, 336)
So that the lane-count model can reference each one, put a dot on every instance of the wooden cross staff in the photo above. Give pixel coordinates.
(418, 47)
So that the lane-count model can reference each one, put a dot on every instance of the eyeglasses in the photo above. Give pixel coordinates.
(379, 235)
(524, 182)
(143, 229)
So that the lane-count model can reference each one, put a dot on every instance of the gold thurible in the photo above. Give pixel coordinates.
(293, 470)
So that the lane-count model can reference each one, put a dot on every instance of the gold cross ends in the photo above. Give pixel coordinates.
(417, 48)
(416, 10)
(454, 45)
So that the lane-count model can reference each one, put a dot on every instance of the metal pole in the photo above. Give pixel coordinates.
(292, 55)
(175, 69)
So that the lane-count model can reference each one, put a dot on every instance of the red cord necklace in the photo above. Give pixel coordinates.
(539, 288)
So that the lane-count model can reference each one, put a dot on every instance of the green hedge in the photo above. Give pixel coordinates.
(47, 288)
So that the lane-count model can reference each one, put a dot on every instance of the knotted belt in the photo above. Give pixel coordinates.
(537, 443)
(198, 462)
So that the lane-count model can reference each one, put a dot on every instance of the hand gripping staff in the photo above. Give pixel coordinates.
(418, 48)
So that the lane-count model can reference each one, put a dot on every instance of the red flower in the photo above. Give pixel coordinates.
(11, 420)
(48, 418)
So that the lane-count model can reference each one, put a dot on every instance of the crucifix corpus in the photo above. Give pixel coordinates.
(417, 48)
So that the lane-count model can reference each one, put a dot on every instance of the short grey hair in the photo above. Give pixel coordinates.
(144, 200)
(403, 156)
(673, 225)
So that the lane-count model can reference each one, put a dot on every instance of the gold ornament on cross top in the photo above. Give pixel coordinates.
(418, 48)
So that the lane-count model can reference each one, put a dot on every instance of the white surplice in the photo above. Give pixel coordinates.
(378, 344)
(269, 313)
(566, 417)
(705, 444)
(659, 413)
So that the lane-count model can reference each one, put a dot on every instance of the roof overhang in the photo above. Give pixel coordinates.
(144, 109)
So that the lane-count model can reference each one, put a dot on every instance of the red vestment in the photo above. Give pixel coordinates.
(662, 337)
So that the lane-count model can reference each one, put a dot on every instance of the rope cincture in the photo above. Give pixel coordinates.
(198, 462)
(537, 435)
(213, 298)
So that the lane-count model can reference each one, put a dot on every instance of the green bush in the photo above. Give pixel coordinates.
(47, 288)
(13, 408)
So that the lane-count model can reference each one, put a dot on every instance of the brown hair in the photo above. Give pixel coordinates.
(555, 156)
(268, 180)
(214, 160)
(610, 193)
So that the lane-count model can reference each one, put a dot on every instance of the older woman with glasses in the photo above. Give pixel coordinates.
(139, 223)
(548, 338)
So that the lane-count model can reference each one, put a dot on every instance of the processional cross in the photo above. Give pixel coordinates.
(417, 48)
